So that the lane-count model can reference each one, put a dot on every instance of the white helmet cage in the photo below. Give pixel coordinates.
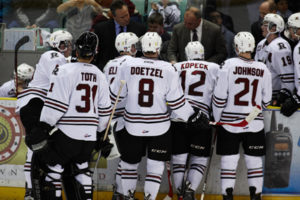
(124, 42)
(25, 72)
(151, 42)
(294, 23)
(60, 36)
(244, 42)
(274, 20)
(194, 50)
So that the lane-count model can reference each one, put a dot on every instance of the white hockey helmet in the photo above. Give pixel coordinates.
(194, 50)
(25, 72)
(60, 36)
(293, 23)
(271, 20)
(151, 42)
(125, 40)
(244, 42)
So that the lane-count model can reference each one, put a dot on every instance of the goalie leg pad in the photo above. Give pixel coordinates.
(77, 182)
(42, 189)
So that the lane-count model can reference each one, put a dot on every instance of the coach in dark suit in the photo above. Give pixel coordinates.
(108, 30)
(192, 29)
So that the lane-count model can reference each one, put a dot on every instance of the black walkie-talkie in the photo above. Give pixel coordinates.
(279, 147)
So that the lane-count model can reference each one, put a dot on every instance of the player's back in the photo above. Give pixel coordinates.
(150, 84)
(111, 68)
(242, 84)
(76, 91)
(198, 79)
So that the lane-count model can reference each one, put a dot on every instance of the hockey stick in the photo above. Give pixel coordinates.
(209, 162)
(109, 121)
(20, 43)
(170, 193)
(254, 112)
(183, 183)
(107, 128)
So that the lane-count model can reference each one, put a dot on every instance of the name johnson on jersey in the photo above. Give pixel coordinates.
(248, 71)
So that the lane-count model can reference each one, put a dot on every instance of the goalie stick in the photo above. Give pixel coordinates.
(20, 43)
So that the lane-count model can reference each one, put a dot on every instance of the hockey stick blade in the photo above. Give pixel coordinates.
(252, 115)
(21, 42)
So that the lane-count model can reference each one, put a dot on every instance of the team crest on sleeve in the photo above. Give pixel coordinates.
(10, 134)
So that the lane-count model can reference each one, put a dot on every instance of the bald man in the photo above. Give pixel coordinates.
(194, 28)
(265, 7)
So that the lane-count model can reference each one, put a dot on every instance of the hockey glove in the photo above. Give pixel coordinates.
(36, 138)
(103, 145)
(198, 120)
(283, 95)
(290, 105)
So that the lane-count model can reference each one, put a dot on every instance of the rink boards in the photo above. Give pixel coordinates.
(282, 162)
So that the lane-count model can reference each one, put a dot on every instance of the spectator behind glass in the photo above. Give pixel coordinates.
(215, 17)
(79, 15)
(156, 24)
(283, 9)
(170, 12)
(35, 13)
(194, 28)
(264, 8)
(108, 30)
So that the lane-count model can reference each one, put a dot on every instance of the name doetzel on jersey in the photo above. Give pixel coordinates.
(145, 71)
(194, 65)
(248, 71)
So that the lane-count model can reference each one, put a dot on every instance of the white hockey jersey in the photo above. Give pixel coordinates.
(278, 57)
(198, 79)
(296, 58)
(150, 84)
(241, 85)
(8, 89)
(40, 83)
(110, 70)
(78, 101)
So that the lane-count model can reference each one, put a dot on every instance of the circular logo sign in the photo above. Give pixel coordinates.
(10, 133)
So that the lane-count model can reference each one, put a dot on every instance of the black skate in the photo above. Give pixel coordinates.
(229, 195)
(253, 195)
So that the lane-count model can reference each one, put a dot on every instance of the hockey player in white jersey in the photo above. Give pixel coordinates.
(126, 45)
(276, 53)
(242, 83)
(78, 105)
(150, 83)
(31, 100)
(24, 75)
(293, 103)
(198, 79)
